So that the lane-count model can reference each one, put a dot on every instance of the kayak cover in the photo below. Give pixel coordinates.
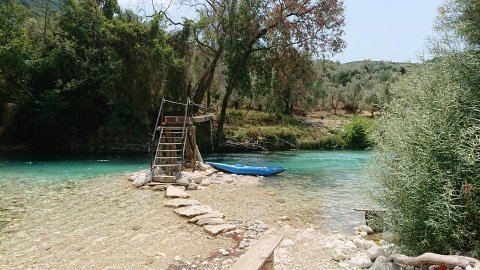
(246, 170)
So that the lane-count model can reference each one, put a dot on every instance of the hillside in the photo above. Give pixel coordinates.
(38, 7)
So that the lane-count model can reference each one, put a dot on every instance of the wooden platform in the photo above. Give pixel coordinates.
(191, 120)
(260, 256)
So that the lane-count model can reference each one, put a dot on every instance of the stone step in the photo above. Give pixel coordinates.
(174, 203)
(164, 179)
(176, 192)
(216, 229)
(193, 210)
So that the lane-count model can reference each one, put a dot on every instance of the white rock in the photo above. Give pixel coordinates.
(361, 261)
(192, 186)
(183, 181)
(181, 202)
(204, 263)
(193, 210)
(178, 258)
(374, 252)
(176, 192)
(381, 263)
(287, 243)
(224, 252)
(216, 229)
(206, 182)
(363, 244)
(363, 228)
(338, 255)
(142, 178)
(343, 265)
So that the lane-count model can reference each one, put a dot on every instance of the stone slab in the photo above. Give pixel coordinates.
(193, 210)
(210, 221)
(216, 229)
(214, 214)
(178, 202)
(175, 192)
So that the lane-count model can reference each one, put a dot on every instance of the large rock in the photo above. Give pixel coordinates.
(374, 252)
(176, 192)
(363, 244)
(216, 229)
(361, 261)
(178, 202)
(210, 221)
(192, 186)
(214, 214)
(142, 178)
(182, 181)
(363, 228)
(193, 210)
(381, 263)
(338, 255)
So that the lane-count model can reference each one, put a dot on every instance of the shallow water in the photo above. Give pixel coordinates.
(330, 181)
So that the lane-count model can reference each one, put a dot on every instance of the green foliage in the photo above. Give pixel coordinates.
(16, 53)
(361, 86)
(356, 133)
(428, 162)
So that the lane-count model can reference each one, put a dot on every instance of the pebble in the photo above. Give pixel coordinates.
(178, 258)
(280, 200)
(224, 252)
(136, 227)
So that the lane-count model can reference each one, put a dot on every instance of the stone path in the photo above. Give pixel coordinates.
(213, 222)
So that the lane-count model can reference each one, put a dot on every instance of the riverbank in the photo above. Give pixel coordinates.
(106, 223)
(318, 130)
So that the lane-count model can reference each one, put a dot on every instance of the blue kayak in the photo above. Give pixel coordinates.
(246, 170)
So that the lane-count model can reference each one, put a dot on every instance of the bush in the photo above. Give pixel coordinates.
(356, 133)
(428, 161)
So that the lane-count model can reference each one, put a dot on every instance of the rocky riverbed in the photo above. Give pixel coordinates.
(108, 224)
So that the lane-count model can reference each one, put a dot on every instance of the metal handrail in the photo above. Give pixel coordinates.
(184, 136)
(160, 111)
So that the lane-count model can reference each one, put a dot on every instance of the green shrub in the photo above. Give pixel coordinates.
(428, 161)
(356, 133)
(326, 142)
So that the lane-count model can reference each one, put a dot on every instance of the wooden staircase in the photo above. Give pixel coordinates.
(169, 157)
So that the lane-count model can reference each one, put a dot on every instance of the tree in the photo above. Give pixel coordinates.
(428, 159)
(16, 53)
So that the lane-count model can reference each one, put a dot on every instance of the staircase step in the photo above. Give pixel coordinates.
(170, 143)
(168, 150)
(171, 128)
(164, 179)
(167, 165)
(167, 157)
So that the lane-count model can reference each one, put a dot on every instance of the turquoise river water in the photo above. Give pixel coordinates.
(333, 179)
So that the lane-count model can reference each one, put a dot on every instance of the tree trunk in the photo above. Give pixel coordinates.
(221, 119)
(449, 261)
(204, 83)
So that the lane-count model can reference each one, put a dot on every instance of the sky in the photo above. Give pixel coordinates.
(390, 30)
